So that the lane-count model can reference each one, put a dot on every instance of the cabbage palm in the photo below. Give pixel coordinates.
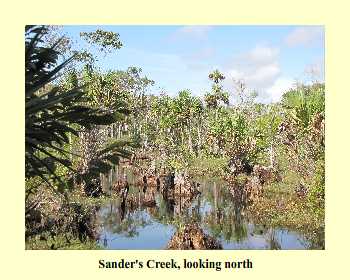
(217, 94)
(51, 113)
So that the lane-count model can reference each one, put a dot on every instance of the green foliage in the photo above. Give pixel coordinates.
(107, 40)
(265, 126)
(216, 76)
(304, 102)
(116, 88)
(302, 131)
(222, 125)
(317, 189)
(47, 242)
(86, 120)
(185, 107)
(208, 166)
(99, 41)
(213, 98)
(59, 224)
(52, 111)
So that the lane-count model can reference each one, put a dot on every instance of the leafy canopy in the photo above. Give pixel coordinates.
(52, 112)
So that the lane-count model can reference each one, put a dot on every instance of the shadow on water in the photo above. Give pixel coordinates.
(148, 219)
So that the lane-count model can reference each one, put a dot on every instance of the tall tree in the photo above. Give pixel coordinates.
(51, 112)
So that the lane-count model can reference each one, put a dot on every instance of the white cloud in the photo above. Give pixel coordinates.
(258, 67)
(305, 36)
(264, 74)
(197, 32)
(235, 74)
(280, 86)
(263, 54)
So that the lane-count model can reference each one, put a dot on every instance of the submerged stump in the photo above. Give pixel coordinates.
(180, 185)
(192, 237)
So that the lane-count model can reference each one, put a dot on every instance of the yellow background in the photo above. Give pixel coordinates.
(16, 262)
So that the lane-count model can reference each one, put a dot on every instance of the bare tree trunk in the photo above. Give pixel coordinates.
(70, 146)
(215, 196)
(190, 136)
(272, 156)
(119, 131)
(199, 136)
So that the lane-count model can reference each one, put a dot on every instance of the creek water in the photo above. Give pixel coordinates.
(214, 210)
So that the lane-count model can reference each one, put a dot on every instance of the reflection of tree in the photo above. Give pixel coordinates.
(216, 211)
(231, 227)
(259, 230)
(165, 213)
(123, 221)
(177, 210)
(272, 240)
(314, 239)
(225, 220)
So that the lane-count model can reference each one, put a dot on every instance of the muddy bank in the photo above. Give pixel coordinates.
(57, 218)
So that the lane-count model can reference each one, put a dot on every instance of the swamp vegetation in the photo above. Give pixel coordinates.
(112, 165)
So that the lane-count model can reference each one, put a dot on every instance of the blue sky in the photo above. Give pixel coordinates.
(268, 58)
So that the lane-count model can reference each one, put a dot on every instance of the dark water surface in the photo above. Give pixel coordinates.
(140, 227)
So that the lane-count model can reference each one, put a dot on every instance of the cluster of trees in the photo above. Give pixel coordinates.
(72, 113)
(80, 120)
(63, 109)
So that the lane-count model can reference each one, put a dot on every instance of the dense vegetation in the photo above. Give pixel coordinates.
(81, 121)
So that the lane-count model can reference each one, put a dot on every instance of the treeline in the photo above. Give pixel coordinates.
(80, 121)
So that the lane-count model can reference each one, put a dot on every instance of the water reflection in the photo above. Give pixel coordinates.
(148, 220)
